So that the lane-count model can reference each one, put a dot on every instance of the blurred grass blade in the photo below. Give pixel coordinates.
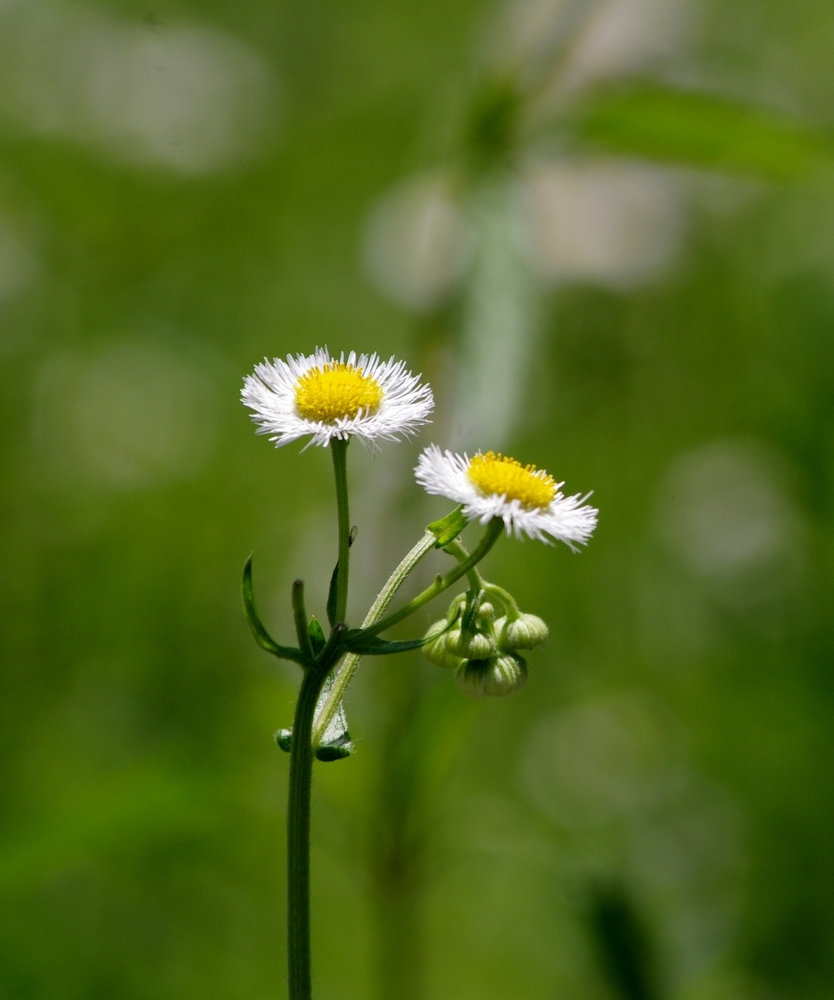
(702, 130)
(262, 637)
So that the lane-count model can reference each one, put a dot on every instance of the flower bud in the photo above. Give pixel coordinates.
(525, 632)
(486, 612)
(499, 675)
(470, 645)
(436, 650)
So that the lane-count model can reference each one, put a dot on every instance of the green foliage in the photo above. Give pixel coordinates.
(701, 130)
(262, 637)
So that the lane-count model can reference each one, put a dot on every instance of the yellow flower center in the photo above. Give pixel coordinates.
(498, 475)
(336, 390)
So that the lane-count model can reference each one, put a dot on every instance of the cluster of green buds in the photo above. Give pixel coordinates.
(483, 649)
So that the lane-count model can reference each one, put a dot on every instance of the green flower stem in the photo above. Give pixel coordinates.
(348, 665)
(301, 752)
(506, 598)
(298, 836)
(477, 582)
(339, 450)
(456, 549)
(441, 583)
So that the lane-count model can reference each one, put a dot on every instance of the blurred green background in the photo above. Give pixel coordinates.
(604, 232)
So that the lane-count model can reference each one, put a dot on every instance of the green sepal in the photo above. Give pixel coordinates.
(262, 637)
(335, 743)
(340, 748)
(334, 579)
(356, 641)
(448, 528)
(316, 633)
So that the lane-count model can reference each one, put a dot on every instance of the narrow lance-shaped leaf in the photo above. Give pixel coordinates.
(356, 641)
(316, 633)
(704, 130)
(334, 579)
(262, 637)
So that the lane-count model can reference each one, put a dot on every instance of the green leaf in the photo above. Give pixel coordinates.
(334, 579)
(356, 641)
(316, 633)
(284, 739)
(331, 596)
(262, 637)
(703, 130)
(448, 528)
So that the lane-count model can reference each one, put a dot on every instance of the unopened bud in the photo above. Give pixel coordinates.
(525, 632)
(470, 645)
(497, 676)
(436, 650)
(486, 612)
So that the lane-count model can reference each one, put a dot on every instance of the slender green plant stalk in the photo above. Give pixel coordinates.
(441, 583)
(298, 837)
(476, 581)
(339, 450)
(347, 668)
(455, 548)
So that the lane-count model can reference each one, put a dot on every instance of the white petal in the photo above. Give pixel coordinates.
(270, 394)
(565, 519)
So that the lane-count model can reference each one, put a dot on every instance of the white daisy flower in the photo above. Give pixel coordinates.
(527, 499)
(360, 397)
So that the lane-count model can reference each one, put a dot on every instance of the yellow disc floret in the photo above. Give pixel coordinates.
(336, 390)
(498, 475)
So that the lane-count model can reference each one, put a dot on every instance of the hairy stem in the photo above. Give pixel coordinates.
(441, 583)
(348, 665)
